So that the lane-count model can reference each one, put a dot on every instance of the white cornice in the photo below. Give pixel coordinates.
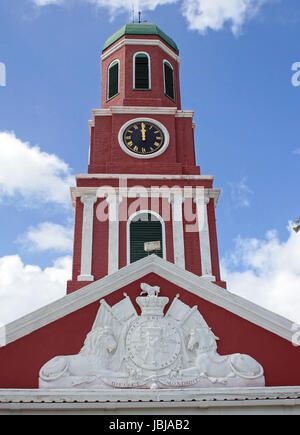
(150, 42)
(141, 110)
(176, 401)
(140, 191)
(153, 264)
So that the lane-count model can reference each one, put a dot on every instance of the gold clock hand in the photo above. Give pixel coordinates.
(143, 132)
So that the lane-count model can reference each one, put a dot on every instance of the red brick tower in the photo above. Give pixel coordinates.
(143, 183)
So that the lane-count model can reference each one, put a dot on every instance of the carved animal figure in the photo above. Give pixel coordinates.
(203, 342)
(93, 357)
(149, 290)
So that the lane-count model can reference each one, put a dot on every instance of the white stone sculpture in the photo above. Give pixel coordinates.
(124, 350)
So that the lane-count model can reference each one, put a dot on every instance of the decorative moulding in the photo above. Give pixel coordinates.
(149, 42)
(151, 351)
(174, 274)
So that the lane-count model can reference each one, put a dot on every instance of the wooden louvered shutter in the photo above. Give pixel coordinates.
(141, 72)
(142, 231)
(113, 80)
(169, 81)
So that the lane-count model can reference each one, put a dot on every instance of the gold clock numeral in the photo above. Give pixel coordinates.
(127, 137)
(135, 148)
(156, 144)
(158, 137)
(144, 151)
(130, 143)
(157, 131)
(135, 127)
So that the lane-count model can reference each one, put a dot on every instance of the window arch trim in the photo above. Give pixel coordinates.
(149, 71)
(163, 231)
(114, 62)
(166, 62)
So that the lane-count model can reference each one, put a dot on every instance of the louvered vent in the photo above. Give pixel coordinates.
(142, 231)
(141, 72)
(113, 80)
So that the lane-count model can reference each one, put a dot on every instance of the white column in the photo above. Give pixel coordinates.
(178, 237)
(202, 200)
(113, 233)
(87, 238)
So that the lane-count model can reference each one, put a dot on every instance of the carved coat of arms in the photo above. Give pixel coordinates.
(153, 350)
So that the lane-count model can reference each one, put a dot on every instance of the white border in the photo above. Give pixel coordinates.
(149, 71)
(150, 42)
(162, 227)
(141, 156)
(107, 90)
(172, 99)
(182, 278)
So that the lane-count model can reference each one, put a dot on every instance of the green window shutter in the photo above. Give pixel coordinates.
(142, 231)
(141, 72)
(113, 80)
(169, 81)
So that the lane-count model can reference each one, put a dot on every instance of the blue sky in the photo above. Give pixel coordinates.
(236, 74)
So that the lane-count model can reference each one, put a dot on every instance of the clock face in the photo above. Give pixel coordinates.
(143, 137)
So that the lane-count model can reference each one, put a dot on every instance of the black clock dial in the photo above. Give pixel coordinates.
(143, 137)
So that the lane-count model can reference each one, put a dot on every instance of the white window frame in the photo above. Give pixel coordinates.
(149, 71)
(107, 91)
(163, 230)
(165, 92)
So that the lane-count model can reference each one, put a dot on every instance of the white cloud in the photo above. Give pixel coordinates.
(297, 151)
(267, 272)
(240, 193)
(25, 288)
(48, 236)
(47, 2)
(32, 173)
(201, 15)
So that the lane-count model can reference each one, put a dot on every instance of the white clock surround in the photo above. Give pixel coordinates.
(144, 156)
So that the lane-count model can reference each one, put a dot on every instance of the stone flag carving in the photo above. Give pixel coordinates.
(153, 350)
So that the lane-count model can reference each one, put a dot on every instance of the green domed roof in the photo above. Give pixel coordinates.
(140, 29)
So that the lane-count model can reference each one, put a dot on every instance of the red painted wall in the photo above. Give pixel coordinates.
(20, 361)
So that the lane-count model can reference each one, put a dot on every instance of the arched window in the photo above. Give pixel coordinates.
(144, 226)
(141, 71)
(113, 80)
(169, 80)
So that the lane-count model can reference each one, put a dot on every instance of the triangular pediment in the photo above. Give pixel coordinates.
(153, 264)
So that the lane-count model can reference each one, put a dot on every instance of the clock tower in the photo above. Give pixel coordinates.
(136, 329)
(143, 183)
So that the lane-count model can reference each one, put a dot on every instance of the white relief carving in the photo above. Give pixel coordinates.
(153, 350)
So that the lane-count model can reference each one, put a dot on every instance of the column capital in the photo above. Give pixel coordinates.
(114, 198)
(202, 197)
(88, 199)
(176, 197)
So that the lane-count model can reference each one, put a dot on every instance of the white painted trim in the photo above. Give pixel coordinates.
(178, 234)
(182, 278)
(77, 192)
(128, 231)
(164, 76)
(88, 201)
(146, 156)
(107, 90)
(113, 233)
(149, 70)
(149, 42)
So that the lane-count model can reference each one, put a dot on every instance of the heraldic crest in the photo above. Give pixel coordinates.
(152, 351)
